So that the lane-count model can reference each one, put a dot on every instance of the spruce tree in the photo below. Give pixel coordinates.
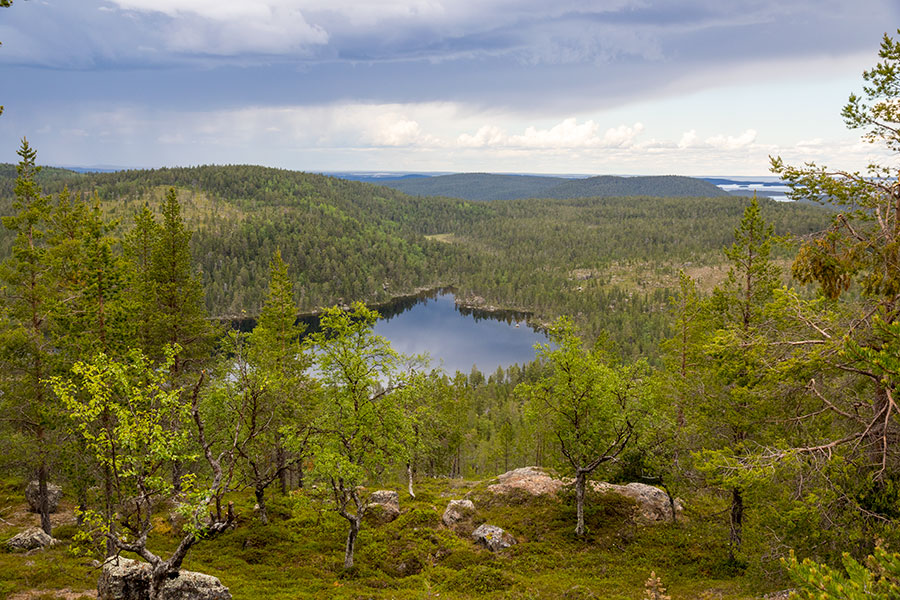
(139, 244)
(271, 392)
(733, 399)
(180, 312)
(29, 289)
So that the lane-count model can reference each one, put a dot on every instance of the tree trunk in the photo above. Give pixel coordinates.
(351, 542)
(261, 502)
(280, 459)
(108, 484)
(409, 480)
(737, 521)
(300, 475)
(176, 476)
(158, 575)
(580, 477)
(44, 505)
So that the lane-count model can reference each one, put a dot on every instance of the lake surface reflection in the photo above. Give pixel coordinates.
(454, 337)
(457, 338)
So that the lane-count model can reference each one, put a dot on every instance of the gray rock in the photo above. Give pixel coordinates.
(31, 539)
(534, 480)
(652, 503)
(386, 497)
(383, 507)
(32, 494)
(492, 537)
(126, 579)
(458, 511)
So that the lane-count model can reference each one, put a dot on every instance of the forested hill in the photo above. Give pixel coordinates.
(347, 240)
(486, 186)
(344, 240)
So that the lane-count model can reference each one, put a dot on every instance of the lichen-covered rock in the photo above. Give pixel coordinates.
(33, 496)
(533, 480)
(458, 511)
(31, 539)
(492, 537)
(652, 503)
(386, 497)
(383, 507)
(126, 579)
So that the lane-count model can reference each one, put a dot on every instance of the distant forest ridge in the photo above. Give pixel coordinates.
(488, 186)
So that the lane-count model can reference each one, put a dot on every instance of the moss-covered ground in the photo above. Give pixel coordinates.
(299, 554)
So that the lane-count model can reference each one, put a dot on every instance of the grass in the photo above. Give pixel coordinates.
(300, 553)
(447, 238)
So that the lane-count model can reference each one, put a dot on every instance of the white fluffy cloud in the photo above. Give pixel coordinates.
(729, 142)
(413, 136)
(566, 134)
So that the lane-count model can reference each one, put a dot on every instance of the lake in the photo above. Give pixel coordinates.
(456, 338)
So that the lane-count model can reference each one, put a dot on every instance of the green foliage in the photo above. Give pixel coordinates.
(486, 186)
(480, 580)
(878, 579)
(129, 416)
(350, 241)
(588, 405)
(179, 312)
(585, 403)
(360, 414)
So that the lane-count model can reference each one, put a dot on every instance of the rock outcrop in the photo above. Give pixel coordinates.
(492, 537)
(652, 503)
(383, 507)
(126, 579)
(33, 496)
(458, 511)
(533, 480)
(31, 539)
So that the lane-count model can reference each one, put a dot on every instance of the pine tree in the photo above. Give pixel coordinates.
(732, 406)
(271, 392)
(29, 290)
(139, 245)
(180, 316)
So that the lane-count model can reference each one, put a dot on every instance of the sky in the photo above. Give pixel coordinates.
(642, 87)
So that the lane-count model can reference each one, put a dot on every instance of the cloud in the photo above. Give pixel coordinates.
(688, 139)
(732, 142)
(222, 27)
(568, 134)
(411, 136)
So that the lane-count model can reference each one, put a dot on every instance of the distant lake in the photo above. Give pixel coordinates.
(457, 338)
(454, 337)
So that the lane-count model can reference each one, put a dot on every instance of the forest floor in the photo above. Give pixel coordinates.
(299, 554)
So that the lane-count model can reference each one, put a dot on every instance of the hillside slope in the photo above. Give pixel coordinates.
(486, 186)
(347, 241)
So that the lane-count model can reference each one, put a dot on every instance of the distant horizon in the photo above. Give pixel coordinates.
(386, 174)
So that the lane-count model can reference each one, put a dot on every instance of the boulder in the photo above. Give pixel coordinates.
(533, 480)
(383, 507)
(458, 511)
(126, 579)
(492, 537)
(32, 494)
(652, 503)
(31, 539)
